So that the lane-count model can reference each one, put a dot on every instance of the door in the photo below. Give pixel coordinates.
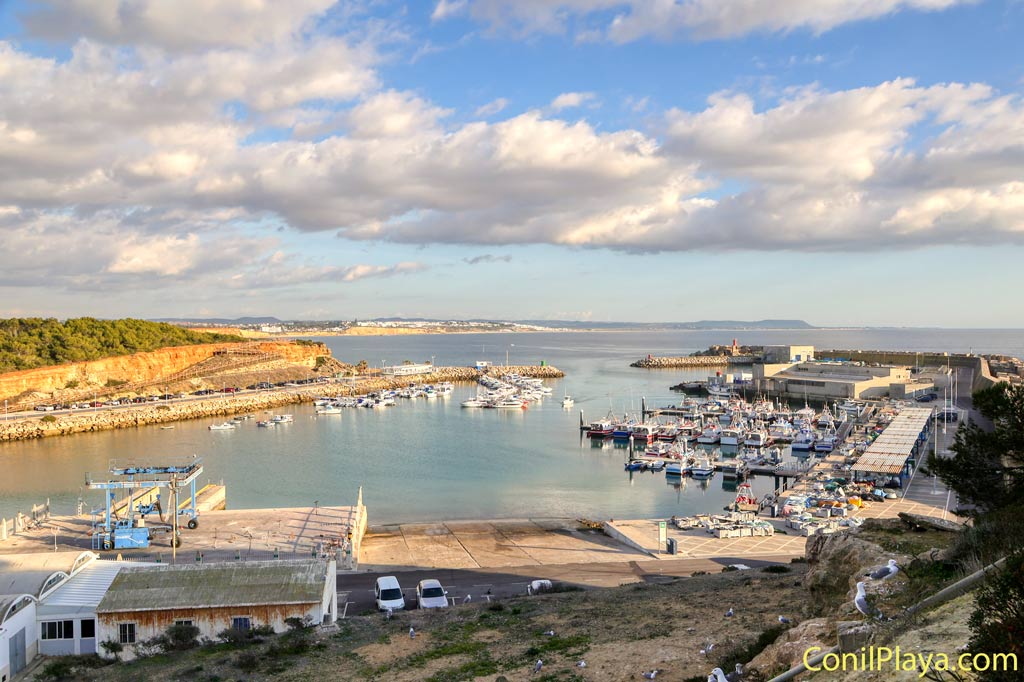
(17, 652)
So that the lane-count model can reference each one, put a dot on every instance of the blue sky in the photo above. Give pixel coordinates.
(558, 159)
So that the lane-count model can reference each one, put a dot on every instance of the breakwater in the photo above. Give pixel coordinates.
(651, 362)
(165, 413)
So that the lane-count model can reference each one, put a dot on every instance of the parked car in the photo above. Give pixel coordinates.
(44, 408)
(388, 594)
(926, 398)
(139, 399)
(430, 595)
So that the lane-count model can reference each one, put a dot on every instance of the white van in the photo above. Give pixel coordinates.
(388, 593)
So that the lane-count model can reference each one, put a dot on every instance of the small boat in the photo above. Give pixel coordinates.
(656, 465)
(226, 426)
(733, 435)
(264, 423)
(166, 428)
(636, 465)
(702, 468)
(282, 419)
(734, 468)
(677, 468)
(329, 409)
(757, 438)
(567, 401)
(804, 440)
(474, 402)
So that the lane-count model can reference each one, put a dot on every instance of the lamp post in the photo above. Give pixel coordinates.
(5, 410)
(511, 345)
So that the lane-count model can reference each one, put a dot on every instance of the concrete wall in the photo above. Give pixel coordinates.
(25, 619)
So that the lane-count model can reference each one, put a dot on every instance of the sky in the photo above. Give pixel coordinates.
(845, 163)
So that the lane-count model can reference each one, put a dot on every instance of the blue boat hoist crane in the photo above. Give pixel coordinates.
(132, 531)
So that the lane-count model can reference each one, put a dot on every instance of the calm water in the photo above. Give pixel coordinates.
(430, 460)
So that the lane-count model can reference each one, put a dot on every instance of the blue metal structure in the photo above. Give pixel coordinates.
(132, 532)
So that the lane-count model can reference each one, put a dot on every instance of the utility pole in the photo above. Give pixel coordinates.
(174, 519)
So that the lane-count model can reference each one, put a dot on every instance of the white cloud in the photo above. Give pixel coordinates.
(572, 100)
(697, 19)
(447, 8)
(178, 25)
(491, 108)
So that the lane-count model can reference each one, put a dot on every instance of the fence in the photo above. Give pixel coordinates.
(21, 522)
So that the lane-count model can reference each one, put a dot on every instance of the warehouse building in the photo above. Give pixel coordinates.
(143, 603)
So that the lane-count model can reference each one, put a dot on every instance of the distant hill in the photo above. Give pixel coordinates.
(30, 342)
(700, 324)
(218, 320)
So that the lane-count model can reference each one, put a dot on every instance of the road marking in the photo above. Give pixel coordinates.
(484, 585)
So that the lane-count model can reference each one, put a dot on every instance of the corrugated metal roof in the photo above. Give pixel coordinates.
(25, 573)
(889, 452)
(249, 583)
(83, 591)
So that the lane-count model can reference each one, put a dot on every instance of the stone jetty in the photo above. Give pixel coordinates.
(165, 413)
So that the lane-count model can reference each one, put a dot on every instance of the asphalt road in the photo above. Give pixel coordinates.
(355, 590)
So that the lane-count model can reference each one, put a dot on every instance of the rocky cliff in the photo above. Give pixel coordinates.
(83, 377)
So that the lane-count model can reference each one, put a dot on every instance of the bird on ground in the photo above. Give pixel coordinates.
(861, 602)
(884, 572)
(538, 665)
(388, 612)
(730, 613)
(412, 633)
(549, 633)
(581, 664)
(651, 675)
(784, 620)
(468, 598)
(736, 675)
(707, 649)
(717, 675)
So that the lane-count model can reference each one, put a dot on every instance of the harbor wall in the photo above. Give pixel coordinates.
(693, 361)
(164, 413)
(140, 367)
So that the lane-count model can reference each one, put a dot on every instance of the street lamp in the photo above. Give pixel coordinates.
(506, 353)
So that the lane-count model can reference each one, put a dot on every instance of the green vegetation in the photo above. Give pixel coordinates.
(27, 343)
(987, 473)
(49, 419)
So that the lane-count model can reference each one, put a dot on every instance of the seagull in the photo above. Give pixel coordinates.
(861, 602)
(468, 598)
(549, 633)
(412, 633)
(651, 675)
(581, 664)
(729, 613)
(538, 665)
(784, 620)
(707, 648)
(717, 675)
(388, 612)
(884, 572)
(737, 675)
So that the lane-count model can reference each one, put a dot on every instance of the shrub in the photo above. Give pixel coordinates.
(70, 667)
(49, 419)
(776, 568)
(71, 384)
(181, 637)
(247, 662)
(114, 383)
(998, 618)
(112, 647)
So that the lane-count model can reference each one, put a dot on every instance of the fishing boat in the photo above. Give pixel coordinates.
(667, 432)
(600, 429)
(733, 435)
(745, 499)
(659, 449)
(781, 431)
(226, 426)
(757, 438)
(643, 433)
(688, 433)
(804, 441)
(827, 442)
(734, 468)
(825, 419)
(711, 435)
(702, 468)
(622, 431)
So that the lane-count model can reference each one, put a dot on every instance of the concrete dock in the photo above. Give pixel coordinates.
(489, 544)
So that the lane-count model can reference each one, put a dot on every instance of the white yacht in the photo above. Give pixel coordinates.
(711, 434)
(567, 401)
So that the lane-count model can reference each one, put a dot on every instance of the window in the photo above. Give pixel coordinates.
(183, 622)
(57, 629)
(88, 628)
(241, 623)
(126, 633)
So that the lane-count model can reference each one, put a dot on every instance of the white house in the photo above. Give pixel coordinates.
(18, 642)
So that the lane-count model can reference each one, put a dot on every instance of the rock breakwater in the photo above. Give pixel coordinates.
(164, 413)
